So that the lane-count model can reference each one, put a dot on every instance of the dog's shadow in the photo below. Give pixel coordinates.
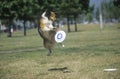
(63, 69)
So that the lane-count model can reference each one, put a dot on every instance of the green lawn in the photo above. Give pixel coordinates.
(85, 56)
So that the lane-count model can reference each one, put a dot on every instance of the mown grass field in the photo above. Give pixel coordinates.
(85, 55)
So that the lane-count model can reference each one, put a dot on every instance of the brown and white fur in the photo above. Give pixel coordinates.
(47, 31)
(46, 23)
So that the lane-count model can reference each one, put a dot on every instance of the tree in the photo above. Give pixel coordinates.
(89, 14)
(67, 8)
(73, 8)
(26, 9)
(18, 9)
(7, 13)
(116, 3)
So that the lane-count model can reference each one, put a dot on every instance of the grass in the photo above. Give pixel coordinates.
(86, 54)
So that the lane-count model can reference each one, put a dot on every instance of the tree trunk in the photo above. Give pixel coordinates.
(9, 29)
(75, 23)
(24, 28)
(68, 25)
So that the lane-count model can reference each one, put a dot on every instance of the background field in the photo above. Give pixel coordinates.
(85, 55)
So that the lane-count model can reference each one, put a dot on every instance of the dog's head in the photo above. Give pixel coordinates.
(52, 16)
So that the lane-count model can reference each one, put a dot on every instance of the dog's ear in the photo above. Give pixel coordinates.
(52, 16)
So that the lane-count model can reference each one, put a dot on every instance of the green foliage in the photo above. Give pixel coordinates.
(116, 3)
(89, 17)
(74, 7)
(27, 8)
(22, 9)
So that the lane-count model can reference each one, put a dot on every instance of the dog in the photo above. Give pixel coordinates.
(47, 31)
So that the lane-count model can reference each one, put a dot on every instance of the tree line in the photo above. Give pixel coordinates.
(30, 9)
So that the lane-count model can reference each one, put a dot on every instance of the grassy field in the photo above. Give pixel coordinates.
(85, 56)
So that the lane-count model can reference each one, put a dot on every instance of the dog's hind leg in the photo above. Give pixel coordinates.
(49, 52)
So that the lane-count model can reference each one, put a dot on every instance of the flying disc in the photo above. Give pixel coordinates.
(60, 36)
(110, 70)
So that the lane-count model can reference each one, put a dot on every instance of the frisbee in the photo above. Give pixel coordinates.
(60, 36)
(110, 70)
